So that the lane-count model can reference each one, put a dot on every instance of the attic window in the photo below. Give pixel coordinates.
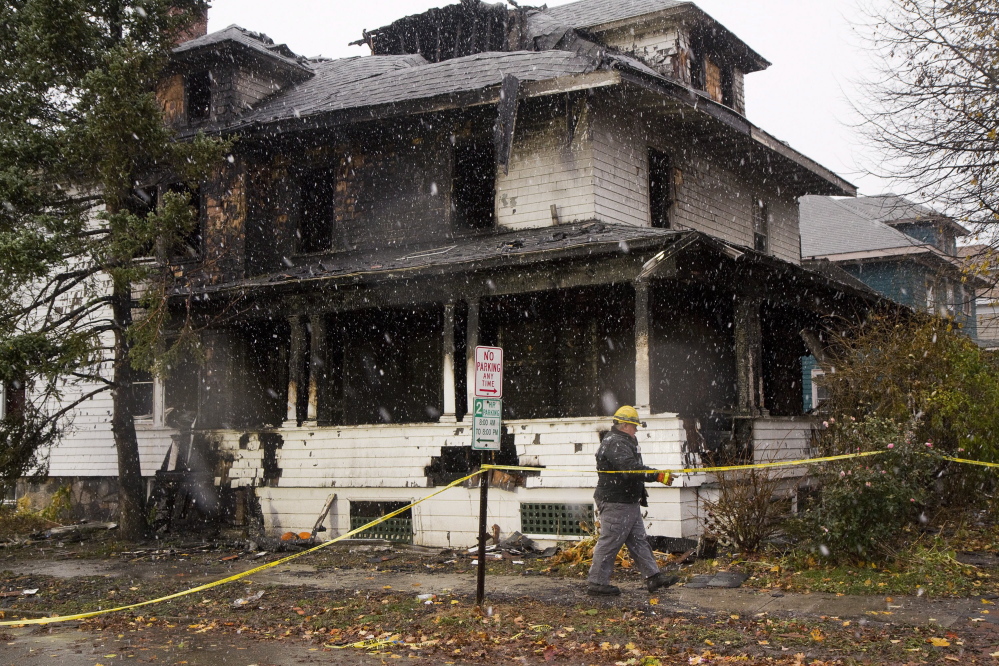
(660, 189)
(761, 226)
(318, 214)
(199, 95)
(474, 186)
(713, 80)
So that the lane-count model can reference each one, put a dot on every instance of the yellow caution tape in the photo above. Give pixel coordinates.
(689, 470)
(516, 468)
(965, 460)
(244, 574)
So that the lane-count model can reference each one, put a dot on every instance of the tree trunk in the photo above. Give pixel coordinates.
(131, 494)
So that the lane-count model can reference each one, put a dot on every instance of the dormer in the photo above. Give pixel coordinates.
(676, 39)
(217, 77)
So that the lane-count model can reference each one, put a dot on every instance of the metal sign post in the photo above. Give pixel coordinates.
(487, 432)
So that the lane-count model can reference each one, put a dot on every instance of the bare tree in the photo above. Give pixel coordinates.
(933, 108)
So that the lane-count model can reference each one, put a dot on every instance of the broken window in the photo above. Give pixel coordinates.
(930, 297)
(474, 186)
(317, 217)
(761, 226)
(199, 95)
(567, 354)
(660, 188)
(13, 398)
(141, 203)
(191, 245)
(391, 368)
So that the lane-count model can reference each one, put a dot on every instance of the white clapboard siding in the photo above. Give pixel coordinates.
(87, 445)
(546, 169)
(451, 518)
(780, 439)
(712, 198)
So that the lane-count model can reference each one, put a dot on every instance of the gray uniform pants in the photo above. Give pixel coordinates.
(620, 524)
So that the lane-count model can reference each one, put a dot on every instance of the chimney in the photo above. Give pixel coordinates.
(197, 28)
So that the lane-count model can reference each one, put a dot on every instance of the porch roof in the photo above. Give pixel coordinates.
(592, 239)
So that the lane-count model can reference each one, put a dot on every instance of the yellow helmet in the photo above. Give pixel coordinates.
(627, 414)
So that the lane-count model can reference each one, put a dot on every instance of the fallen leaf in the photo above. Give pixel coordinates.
(939, 642)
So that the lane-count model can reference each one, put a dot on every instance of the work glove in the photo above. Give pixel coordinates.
(663, 477)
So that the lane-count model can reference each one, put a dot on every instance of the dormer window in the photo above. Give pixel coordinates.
(199, 96)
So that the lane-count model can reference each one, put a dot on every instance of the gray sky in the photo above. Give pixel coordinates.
(803, 98)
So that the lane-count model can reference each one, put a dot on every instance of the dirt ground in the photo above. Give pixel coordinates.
(373, 605)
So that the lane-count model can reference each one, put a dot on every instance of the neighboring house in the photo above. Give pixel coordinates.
(980, 261)
(904, 251)
(578, 185)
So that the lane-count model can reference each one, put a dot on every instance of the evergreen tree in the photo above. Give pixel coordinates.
(80, 128)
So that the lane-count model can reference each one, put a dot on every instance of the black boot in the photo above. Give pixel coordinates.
(653, 583)
(598, 590)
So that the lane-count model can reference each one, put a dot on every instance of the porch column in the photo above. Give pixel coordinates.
(449, 398)
(642, 382)
(471, 342)
(748, 355)
(317, 366)
(296, 356)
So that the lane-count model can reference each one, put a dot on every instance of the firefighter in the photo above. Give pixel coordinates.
(619, 498)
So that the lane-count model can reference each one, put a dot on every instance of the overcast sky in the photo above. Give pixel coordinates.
(803, 98)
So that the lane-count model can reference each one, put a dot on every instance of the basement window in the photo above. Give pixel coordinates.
(761, 226)
(474, 186)
(660, 189)
(398, 528)
(199, 96)
(556, 519)
(318, 214)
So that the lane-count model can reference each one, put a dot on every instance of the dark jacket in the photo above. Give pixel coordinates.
(619, 451)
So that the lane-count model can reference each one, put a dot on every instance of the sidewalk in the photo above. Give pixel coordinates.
(743, 601)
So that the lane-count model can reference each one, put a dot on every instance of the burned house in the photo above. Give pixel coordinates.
(578, 185)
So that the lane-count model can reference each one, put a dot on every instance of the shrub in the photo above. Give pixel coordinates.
(748, 510)
(866, 504)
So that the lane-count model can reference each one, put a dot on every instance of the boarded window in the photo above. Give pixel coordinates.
(474, 186)
(199, 96)
(660, 189)
(713, 80)
(761, 226)
(317, 218)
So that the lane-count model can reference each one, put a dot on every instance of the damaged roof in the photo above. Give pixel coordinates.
(254, 42)
(376, 80)
(592, 13)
